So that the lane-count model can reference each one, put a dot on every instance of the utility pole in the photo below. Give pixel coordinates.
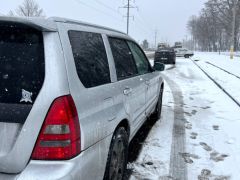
(128, 15)
(232, 49)
(128, 7)
(155, 38)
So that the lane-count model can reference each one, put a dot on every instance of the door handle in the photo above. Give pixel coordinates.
(147, 82)
(127, 91)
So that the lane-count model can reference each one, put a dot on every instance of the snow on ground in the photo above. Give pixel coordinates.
(155, 157)
(237, 54)
(223, 70)
(221, 60)
(198, 136)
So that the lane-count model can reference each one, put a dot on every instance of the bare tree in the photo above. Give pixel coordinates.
(212, 29)
(29, 8)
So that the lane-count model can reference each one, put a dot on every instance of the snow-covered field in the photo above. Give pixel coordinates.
(223, 61)
(223, 70)
(228, 53)
(198, 136)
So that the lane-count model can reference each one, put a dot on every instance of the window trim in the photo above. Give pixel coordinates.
(104, 45)
(42, 58)
(125, 40)
(149, 65)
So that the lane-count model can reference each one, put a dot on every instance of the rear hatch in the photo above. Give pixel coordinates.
(162, 56)
(22, 72)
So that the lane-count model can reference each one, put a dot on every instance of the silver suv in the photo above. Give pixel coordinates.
(72, 96)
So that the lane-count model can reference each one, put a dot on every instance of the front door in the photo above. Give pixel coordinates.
(130, 83)
(146, 73)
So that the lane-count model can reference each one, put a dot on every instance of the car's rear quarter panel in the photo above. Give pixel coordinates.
(55, 84)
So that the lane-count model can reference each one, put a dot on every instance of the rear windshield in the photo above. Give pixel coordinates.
(21, 63)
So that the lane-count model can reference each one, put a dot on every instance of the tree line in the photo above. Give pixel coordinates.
(212, 29)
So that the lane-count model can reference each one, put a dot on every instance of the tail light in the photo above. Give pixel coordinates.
(59, 138)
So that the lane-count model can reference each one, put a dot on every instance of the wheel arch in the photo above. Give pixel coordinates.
(125, 124)
(162, 85)
(122, 124)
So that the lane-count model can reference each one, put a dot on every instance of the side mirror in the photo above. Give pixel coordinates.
(159, 66)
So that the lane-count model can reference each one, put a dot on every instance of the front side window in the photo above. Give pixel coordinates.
(140, 59)
(124, 62)
(90, 58)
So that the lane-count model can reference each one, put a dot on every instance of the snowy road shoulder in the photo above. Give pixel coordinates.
(223, 76)
(211, 121)
(220, 60)
(154, 159)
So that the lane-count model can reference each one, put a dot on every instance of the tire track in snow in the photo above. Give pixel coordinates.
(223, 70)
(178, 169)
(215, 82)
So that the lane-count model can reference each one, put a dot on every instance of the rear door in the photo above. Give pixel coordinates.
(91, 87)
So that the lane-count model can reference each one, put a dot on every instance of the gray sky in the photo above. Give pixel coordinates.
(169, 17)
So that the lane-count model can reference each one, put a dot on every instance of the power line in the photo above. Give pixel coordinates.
(142, 27)
(108, 7)
(102, 12)
(156, 32)
(144, 20)
(91, 7)
(147, 26)
(146, 29)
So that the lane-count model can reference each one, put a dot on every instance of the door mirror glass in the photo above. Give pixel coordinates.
(159, 66)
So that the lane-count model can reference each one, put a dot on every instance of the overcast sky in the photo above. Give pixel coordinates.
(169, 17)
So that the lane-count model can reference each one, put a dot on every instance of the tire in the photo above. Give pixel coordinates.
(158, 110)
(117, 156)
(174, 60)
(186, 56)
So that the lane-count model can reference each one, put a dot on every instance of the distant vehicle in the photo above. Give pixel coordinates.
(178, 45)
(162, 45)
(183, 52)
(165, 56)
(72, 97)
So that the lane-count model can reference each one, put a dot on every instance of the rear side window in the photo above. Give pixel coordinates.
(124, 62)
(21, 63)
(140, 58)
(90, 58)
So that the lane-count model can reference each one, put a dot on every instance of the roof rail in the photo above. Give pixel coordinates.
(71, 21)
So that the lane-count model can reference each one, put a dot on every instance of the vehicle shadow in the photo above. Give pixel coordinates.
(170, 67)
(137, 142)
(177, 165)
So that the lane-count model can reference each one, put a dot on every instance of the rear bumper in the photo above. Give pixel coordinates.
(182, 55)
(90, 164)
(170, 60)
